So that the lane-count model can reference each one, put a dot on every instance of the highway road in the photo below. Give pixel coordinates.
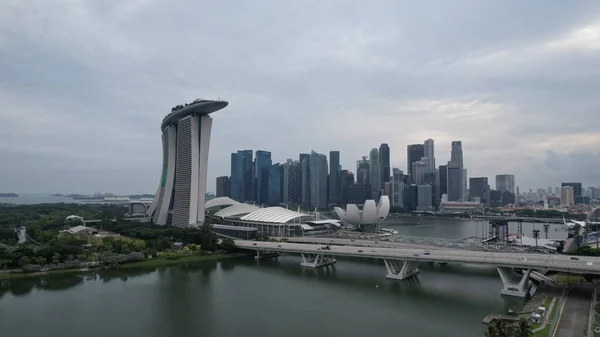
(362, 243)
(562, 263)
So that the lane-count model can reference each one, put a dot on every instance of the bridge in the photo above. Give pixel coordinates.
(402, 263)
(518, 219)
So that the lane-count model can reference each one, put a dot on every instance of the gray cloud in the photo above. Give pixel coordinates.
(85, 84)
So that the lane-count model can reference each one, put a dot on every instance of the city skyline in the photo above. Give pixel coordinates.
(521, 96)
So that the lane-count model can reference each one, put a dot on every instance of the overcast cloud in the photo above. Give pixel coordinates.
(84, 85)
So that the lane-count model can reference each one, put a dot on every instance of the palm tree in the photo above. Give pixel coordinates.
(523, 328)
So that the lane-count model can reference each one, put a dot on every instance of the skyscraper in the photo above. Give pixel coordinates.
(567, 195)
(454, 181)
(465, 186)
(334, 177)
(242, 176)
(223, 186)
(318, 180)
(429, 155)
(384, 163)
(273, 186)
(290, 174)
(299, 181)
(363, 170)
(443, 181)
(479, 189)
(235, 184)
(397, 187)
(424, 197)
(505, 182)
(577, 189)
(456, 156)
(306, 185)
(346, 182)
(181, 193)
(262, 165)
(375, 174)
(418, 172)
(414, 152)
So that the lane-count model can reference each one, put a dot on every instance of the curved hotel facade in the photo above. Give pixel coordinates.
(180, 198)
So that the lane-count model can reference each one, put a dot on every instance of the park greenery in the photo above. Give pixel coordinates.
(522, 328)
(129, 242)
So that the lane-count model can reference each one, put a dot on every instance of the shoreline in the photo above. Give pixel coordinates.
(152, 263)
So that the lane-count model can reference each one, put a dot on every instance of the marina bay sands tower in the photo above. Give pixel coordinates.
(180, 198)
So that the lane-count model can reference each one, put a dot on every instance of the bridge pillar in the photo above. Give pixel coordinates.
(400, 269)
(514, 284)
(316, 260)
(265, 255)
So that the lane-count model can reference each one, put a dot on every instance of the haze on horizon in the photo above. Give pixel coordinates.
(85, 85)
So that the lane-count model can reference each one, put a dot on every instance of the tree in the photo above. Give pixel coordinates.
(502, 329)
(523, 328)
(228, 245)
(23, 261)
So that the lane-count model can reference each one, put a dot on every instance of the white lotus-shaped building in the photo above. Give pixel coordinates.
(371, 213)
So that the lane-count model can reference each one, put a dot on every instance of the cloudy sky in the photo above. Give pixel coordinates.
(84, 85)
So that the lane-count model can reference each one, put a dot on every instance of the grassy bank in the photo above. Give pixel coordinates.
(152, 263)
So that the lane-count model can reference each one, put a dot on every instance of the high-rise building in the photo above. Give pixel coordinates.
(235, 184)
(567, 195)
(346, 181)
(465, 186)
(454, 181)
(357, 194)
(363, 169)
(290, 174)
(384, 163)
(397, 188)
(274, 184)
(429, 156)
(223, 186)
(442, 181)
(306, 185)
(414, 152)
(334, 177)
(318, 180)
(419, 168)
(456, 156)
(262, 164)
(180, 198)
(375, 174)
(577, 189)
(424, 197)
(299, 186)
(243, 184)
(479, 189)
(411, 199)
(505, 182)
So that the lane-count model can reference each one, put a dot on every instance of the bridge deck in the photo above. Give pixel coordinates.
(562, 263)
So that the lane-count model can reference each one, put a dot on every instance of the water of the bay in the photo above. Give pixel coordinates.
(269, 298)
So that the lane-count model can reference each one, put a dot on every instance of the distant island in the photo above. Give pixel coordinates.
(9, 195)
(57, 195)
